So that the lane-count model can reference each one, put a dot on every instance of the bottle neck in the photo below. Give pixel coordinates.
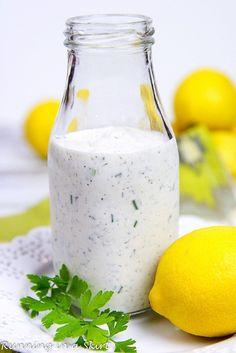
(110, 56)
(110, 80)
(109, 66)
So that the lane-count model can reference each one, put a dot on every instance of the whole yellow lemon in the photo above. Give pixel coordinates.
(195, 284)
(225, 144)
(38, 125)
(206, 97)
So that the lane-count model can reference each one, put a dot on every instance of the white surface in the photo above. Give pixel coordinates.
(189, 34)
(32, 254)
(23, 176)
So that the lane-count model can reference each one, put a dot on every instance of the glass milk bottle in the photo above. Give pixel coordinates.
(113, 161)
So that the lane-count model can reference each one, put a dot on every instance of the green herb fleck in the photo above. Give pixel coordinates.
(71, 199)
(135, 204)
(86, 323)
(112, 218)
(118, 175)
(93, 171)
(135, 223)
(120, 289)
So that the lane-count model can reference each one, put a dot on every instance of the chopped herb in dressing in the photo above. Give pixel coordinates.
(93, 171)
(135, 204)
(121, 287)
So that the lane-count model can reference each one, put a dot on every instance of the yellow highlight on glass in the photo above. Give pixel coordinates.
(154, 118)
(83, 94)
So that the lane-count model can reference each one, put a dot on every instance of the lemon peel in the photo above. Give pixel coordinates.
(195, 284)
(205, 97)
(38, 125)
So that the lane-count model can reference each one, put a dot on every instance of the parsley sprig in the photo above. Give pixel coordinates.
(68, 302)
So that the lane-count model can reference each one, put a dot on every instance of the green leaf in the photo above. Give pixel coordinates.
(119, 324)
(78, 287)
(62, 300)
(96, 335)
(23, 305)
(102, 319)
(34, 313)
(70, 330)
(57, 317)
(89, 307)
(56, 295)
(64, 273)
(84, 302)
(60, 283)
(65, 302)
(39, 280)
(100, 299)
(36, 305)
(40, 294)
(81, 342)
(49, 319)
(41, 284)
(126, 346)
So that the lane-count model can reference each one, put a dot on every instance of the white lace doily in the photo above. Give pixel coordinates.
(26, 254)
(32, 254)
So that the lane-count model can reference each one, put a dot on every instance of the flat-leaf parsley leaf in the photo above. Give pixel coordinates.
(85, 321)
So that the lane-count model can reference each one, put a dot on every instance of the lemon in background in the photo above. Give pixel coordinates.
(195, 284)
(38, 125)
(205, 97)
(225, 144)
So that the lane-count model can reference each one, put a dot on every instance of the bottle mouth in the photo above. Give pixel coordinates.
(109, 31)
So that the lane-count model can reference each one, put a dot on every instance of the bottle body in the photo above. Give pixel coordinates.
(113, 171)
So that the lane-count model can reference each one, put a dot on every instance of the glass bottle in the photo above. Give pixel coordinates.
(113, 161)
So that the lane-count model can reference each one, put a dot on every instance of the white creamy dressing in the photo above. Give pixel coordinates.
(114, 208)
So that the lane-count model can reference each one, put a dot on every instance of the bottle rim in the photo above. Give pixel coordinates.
(109, 31)
(109, 19)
